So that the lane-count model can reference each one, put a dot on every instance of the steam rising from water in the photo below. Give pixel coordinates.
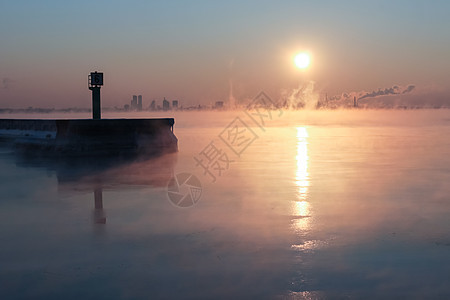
(304, 96)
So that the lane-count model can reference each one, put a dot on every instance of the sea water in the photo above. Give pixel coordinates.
(297, 205)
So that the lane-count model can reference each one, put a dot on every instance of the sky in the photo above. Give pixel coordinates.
(203, 51)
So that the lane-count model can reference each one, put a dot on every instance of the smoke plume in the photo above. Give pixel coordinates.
(395, 90)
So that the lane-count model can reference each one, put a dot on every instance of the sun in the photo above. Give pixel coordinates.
(302, 60)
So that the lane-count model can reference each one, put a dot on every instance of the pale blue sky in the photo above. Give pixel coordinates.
(189, 50)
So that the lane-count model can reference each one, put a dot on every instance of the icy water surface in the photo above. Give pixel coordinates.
(317, 205)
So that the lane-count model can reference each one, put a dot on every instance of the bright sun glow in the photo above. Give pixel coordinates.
(302, 60)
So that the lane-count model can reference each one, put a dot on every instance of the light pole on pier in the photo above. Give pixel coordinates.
(95, 81)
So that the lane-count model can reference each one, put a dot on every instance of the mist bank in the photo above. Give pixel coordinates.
(274, 118)
(307, 95)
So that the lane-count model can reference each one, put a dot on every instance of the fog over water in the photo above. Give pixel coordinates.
(308, 205)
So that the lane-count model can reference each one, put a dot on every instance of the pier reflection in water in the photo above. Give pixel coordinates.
(99, 213)
(98, 174)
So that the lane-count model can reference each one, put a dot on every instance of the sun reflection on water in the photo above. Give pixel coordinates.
(302, 208)
(302, 176)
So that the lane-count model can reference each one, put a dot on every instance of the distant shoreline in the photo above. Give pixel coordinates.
(38, 110)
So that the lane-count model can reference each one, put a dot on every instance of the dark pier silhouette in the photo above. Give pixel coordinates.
(91, 137)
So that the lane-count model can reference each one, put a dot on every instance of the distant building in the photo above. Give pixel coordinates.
(139, 103)
(355, 103)
(166, 104)
(153, 105)
(175, 104)
(134, 103)
(218, 105)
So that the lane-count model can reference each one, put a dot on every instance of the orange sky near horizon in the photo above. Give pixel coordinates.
(191, 51)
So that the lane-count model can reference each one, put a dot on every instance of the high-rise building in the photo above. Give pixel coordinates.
(134, 103)
(139, 103)
(153, 105)
(175, 104)
(166, 104)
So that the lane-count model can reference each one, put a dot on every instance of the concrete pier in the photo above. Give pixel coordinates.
(108, 137)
